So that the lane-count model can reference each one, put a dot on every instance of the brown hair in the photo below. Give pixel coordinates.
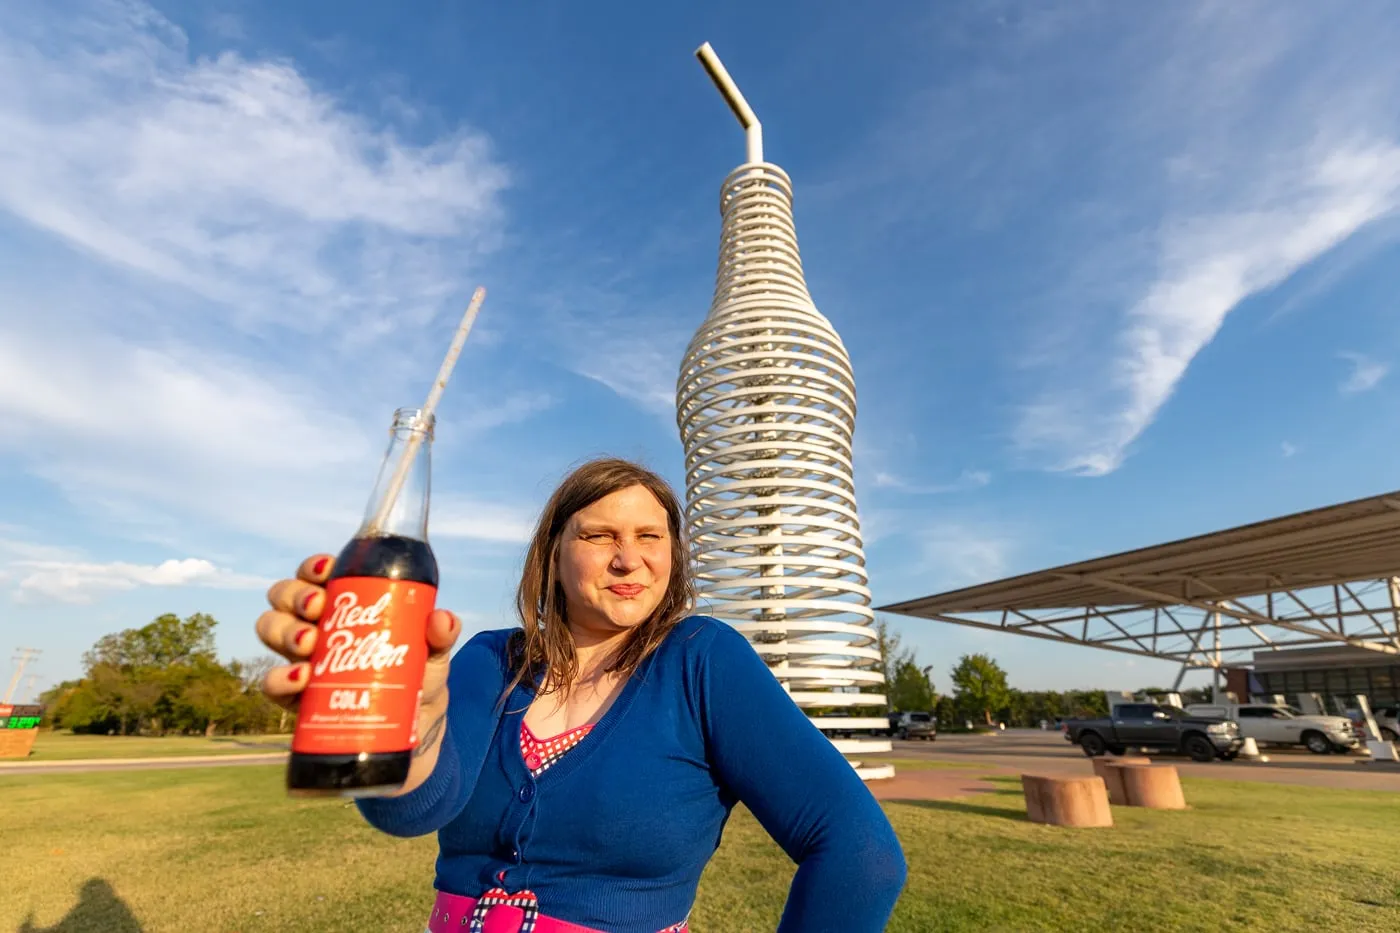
(544, 642)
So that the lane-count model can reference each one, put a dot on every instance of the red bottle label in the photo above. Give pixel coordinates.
(366, 669)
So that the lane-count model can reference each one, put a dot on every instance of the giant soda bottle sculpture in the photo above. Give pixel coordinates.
(766, 405)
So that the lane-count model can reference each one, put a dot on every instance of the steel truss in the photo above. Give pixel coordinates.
(1212, 633)
(1327, 576)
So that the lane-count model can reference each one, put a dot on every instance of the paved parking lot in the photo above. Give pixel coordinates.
(1032, 751)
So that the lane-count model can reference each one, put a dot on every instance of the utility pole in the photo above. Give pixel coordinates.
(22, 657)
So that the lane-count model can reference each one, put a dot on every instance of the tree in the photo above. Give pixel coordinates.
(163, 677)
(979, 685)
(164, 642)
(211, 699)
(946, 712)
(892, 654)
(891, 648)
(912, 688)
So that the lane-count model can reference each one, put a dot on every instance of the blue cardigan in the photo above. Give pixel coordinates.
(616, 834)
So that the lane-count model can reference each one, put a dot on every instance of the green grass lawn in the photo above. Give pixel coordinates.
(64, 746)
(224, 849)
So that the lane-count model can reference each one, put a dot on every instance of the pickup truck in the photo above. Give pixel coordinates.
(1388, 718)
(1280, 725)
(1162, 728)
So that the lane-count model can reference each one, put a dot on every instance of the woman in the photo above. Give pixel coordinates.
(583, 765)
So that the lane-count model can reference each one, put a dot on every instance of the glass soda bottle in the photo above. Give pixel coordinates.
(357, 721)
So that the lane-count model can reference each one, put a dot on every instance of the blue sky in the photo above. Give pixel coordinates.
(1109, 275)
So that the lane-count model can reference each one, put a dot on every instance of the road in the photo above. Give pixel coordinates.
(1014, 751)
(1034, 751)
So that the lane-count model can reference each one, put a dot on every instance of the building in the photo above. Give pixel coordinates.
(1332, 671)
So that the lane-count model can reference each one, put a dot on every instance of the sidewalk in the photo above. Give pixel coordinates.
(80, 765)
(931, 784)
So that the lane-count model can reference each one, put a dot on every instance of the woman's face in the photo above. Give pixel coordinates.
(615, 562)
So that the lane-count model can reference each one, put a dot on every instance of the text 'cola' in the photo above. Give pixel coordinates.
(357, 722)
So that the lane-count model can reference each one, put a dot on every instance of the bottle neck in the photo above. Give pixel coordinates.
(409, 436)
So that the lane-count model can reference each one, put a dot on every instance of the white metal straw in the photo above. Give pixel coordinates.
(753, 130)
(391, 495)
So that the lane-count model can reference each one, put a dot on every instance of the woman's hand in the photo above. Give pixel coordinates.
(289, 628)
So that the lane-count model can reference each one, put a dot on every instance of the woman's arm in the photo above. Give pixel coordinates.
(460, 739)
(850, 867)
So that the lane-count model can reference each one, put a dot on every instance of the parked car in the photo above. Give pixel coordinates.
(1281, 725)
(1160, 728)
(914, 726)
(1388, 719)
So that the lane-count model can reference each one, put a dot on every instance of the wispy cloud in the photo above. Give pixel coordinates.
(961, 555)
(1210, 264)
(1287, 449)
(1258, 176)
(81, 582)
(1199, 157)
(233, 178)
(626, 354)
(135, 434)
(967, 480)
(263, 259)
(638, 373)
(458, 517)
(15, 546)
(1365, 374)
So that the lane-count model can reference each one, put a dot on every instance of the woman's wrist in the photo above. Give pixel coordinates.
(432, 725)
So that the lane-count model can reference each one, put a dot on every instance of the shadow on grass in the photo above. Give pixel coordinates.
(98, 910)
(957, 806)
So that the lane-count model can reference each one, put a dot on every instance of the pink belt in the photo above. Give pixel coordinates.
(497, 911)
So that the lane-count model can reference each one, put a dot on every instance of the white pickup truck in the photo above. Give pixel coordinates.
(1283, 725)
(1388, 719)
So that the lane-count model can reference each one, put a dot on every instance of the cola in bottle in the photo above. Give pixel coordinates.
(357, 722)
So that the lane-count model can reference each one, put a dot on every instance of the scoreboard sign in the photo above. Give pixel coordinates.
(19, 725)
(20, 717)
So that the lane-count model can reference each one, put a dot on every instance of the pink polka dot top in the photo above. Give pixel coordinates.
(539, 753)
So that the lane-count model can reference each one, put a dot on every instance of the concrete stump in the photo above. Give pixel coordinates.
(1111, 770)
(1066, 801)
(1157, 787)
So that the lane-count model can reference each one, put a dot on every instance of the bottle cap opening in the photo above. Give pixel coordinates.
(411, 419)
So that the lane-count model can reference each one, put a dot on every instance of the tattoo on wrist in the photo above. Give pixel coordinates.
(430, 736)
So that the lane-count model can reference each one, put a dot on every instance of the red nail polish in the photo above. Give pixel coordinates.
(301, 635)
(306, 601)
(295, 675)
(319, 566)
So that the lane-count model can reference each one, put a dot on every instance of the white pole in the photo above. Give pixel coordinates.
(753, 130)
(22, 656)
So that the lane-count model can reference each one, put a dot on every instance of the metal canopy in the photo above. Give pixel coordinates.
(1325, 576)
